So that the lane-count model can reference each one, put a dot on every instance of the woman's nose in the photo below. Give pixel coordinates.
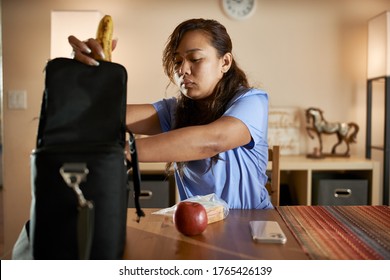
(184, 68)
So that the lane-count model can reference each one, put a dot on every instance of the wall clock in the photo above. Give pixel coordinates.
(238, 9)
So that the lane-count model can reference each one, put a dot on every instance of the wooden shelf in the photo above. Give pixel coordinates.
(297, 172)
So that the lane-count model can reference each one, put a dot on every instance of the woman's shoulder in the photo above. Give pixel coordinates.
(166, 103)
(248, 94)
(251, 91)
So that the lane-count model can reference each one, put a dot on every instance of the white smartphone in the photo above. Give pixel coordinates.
(267, 232)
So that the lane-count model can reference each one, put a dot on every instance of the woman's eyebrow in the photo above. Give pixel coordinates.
(189, 51)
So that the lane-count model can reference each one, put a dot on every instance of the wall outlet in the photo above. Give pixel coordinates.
(17, 99)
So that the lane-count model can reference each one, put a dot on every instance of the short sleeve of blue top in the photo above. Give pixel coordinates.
(239, 176)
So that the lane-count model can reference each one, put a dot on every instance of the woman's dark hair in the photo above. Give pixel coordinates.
(188, 112)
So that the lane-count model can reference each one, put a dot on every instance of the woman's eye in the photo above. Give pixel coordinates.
(177, 63)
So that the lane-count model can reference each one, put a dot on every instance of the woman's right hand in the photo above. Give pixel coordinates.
(84, 50)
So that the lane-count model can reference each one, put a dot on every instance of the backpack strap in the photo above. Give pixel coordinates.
(136, 176)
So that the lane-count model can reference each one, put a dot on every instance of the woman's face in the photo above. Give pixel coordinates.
(197, 65)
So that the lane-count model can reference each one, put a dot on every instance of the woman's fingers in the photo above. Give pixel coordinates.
(79, 56)
(114, 43)
(95, 47)
(78, 45)
(83, 50)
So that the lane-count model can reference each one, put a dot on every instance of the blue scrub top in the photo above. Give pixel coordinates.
(239, 176)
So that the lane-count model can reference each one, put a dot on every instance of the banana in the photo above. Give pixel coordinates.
(104, 36)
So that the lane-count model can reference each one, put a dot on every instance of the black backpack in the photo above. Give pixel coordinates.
(80, 176)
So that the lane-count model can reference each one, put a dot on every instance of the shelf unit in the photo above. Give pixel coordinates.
(298, 171)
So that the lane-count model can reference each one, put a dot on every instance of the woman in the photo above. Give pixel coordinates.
(215, 132)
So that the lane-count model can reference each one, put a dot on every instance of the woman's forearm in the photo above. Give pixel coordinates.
(193, 143)
(142, 119)
(177, 145)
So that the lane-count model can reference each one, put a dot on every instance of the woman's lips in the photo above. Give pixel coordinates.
(187, 83)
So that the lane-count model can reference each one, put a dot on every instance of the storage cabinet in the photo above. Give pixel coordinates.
(299, 173)
(157, 191)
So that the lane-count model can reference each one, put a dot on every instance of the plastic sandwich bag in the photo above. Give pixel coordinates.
(217, 209)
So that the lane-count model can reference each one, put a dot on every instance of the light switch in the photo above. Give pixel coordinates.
(17, 99)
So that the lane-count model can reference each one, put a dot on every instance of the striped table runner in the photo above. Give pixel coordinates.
(340, 232)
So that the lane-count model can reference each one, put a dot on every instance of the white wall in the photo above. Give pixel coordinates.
(303, 53)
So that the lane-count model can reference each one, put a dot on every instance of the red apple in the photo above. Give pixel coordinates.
(190, 218)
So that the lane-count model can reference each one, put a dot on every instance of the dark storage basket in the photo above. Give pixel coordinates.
(340, 192)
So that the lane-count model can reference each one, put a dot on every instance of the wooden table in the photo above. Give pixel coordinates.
(153, 238)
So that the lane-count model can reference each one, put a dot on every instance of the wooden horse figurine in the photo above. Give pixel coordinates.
(345, 131)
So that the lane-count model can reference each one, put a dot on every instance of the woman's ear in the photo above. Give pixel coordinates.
(226, 62)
